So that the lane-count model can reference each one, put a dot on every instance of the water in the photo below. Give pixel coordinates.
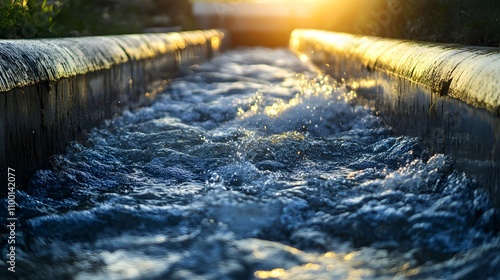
(253, 166)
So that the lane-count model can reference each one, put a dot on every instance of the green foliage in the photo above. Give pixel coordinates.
(458, 21)
(91, 17)
(61, 18)
(26, 19)
(452, 21)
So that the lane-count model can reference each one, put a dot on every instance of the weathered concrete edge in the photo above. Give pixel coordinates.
(470, 74)
(52, 90)
(414, 101)
(28, 62)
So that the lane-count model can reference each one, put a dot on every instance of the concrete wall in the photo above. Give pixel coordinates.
(52, 90)
(449, 95)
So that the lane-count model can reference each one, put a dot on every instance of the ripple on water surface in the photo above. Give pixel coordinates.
(254, 166)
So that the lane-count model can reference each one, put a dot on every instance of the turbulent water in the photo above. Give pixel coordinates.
(253, 166)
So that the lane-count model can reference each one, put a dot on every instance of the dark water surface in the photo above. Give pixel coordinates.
(253, 166)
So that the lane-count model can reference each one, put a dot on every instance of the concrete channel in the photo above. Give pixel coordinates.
(448, 95)
(53, 90)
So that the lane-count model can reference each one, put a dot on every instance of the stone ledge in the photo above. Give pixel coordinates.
(28, 62)
(53, 90)
(470, 74)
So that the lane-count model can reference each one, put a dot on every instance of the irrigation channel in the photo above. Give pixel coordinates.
(254, 166)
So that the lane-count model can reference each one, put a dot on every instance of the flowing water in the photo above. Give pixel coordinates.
(254, 166)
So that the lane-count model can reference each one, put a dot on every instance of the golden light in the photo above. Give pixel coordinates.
(215, 44)
(275, 273)
(287, 13)
(255, 22)
(278, 108)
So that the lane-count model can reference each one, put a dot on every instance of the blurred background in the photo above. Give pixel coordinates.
(453, 21)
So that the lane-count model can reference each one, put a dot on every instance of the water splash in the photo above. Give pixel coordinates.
(253, 166)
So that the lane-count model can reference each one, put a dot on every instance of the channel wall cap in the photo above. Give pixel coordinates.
(468, 73)
(30, 61)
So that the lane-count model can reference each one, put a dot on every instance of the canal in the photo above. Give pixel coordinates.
(254, 166)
